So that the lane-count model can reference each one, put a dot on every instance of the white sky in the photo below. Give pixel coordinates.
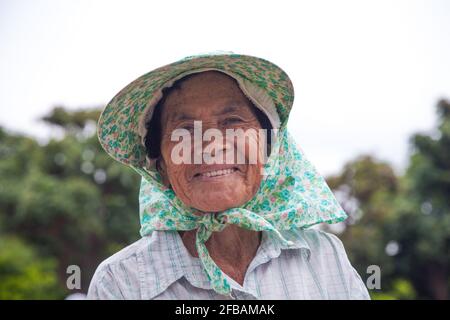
(367, 74)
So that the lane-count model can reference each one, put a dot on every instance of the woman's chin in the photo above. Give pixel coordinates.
(218, 202)
(219, 194)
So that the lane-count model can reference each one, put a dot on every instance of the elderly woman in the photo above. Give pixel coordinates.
(220, 229)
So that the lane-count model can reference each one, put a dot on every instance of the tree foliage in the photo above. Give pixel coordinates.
(67, 199)
(402, 223)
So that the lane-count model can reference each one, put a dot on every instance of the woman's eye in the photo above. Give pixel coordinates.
(232, 120)
(188, 127)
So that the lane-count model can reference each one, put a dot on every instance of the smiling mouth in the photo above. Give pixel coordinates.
(216, 173)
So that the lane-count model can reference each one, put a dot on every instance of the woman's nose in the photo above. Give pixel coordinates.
(213, 148)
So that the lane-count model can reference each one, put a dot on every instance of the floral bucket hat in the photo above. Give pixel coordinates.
(292, 194)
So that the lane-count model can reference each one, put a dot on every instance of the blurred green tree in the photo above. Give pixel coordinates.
(421, 226)
(24, 274)
(401, 224)
(68, 198)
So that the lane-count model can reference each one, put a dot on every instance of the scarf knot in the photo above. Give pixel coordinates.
(213, 222)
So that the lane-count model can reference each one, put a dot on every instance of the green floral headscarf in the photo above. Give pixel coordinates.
(292, 193)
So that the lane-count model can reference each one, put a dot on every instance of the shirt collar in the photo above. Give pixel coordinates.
(165, 260)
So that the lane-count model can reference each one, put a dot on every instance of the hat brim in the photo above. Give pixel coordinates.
(119, 131)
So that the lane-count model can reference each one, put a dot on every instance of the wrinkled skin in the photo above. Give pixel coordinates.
(217, 101)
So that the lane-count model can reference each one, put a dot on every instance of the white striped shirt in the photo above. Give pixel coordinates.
(160, 267)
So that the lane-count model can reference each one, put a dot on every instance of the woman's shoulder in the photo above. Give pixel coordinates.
(331, 264)
(114, 274)
(320, 245)
(125, 254)
(319, 240)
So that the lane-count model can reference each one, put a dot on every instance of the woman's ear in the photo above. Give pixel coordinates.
(162, 169)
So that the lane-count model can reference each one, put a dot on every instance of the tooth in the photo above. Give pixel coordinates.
(218, 172)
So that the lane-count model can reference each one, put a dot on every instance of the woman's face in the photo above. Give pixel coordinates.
(217, 101)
